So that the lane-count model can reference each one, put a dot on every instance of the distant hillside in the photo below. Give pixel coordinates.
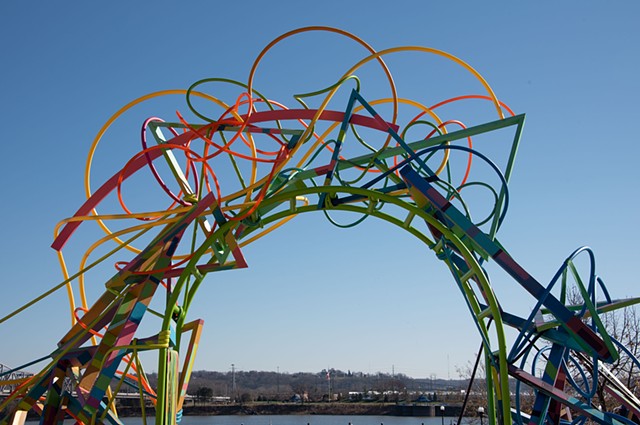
(255, 385)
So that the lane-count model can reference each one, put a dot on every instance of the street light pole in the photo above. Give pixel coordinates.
(481, 413)
(442, 414)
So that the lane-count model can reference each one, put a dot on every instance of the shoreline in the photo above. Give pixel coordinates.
(354, 409)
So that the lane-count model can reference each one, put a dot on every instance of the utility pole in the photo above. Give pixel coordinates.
(278, 383)
(233, 380)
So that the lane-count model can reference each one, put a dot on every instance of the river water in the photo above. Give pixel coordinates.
(300, 420)
(306, 420)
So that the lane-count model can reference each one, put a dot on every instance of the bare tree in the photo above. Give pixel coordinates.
(623, 326)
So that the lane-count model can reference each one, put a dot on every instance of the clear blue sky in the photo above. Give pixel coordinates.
(364, 299)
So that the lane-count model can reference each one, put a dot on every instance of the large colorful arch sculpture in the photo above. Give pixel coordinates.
(293, 161)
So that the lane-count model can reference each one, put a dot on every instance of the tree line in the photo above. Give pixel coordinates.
(331, 384)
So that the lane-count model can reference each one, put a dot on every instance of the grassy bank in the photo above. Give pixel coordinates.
(258, 408)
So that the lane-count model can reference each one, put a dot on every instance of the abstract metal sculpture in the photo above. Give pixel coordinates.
(289, 162)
